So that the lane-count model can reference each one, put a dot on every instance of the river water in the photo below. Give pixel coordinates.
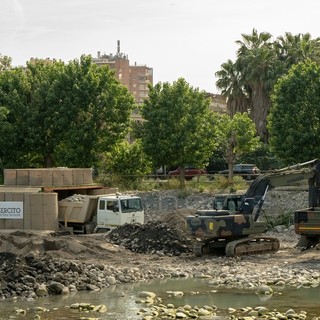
(121, 300)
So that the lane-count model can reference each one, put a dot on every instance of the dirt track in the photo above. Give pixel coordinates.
(150, 243)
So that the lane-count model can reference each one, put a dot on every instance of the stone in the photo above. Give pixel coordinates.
(41, 290)
(147, 294)
(55, 287)
(181, 315)
(111, 280)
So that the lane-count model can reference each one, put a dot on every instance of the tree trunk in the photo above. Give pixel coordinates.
(49, 162)
(260, 110)
(182, 178)
(241, 104)
(230, 159)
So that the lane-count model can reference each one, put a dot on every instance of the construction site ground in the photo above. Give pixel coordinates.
(163, 240)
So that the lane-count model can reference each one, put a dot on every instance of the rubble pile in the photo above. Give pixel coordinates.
(75, 198)
(154, 237)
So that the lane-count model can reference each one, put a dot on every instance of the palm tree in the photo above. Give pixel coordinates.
(230, 84)
(258, 64)
(248, 82)
(294, 49)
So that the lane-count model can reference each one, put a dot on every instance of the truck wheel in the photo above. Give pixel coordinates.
(88, 229)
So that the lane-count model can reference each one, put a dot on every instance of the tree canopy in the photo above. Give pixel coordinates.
(294, 120)
(5, 62)
(235, 136)
(178, 129)
(61, 114)
(127, 163)
(248, 82)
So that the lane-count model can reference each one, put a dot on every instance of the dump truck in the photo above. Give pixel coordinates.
(238, 230)
(99, 213)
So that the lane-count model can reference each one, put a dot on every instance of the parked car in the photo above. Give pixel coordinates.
(245, 170)
(161, 172)
(189, 172)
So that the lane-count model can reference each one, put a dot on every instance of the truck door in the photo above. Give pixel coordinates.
(132, 210)
(108, 214)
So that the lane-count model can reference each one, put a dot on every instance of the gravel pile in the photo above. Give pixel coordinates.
(154, 237)
(277, 202)
(75, 198)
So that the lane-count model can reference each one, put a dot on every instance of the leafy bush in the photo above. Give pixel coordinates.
(218, 184)
(262, 157)
(222, 184)
(285, 219)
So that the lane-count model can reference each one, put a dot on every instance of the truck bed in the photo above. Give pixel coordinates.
(77, 212)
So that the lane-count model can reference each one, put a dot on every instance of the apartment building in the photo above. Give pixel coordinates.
(218, 103)
(135, 77)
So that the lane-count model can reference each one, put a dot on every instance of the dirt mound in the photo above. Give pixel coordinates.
(176, 218)
(152, 237)
(7, 258)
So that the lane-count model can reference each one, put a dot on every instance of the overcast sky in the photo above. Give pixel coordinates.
(177, 38)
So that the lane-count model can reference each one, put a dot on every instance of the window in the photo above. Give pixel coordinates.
(102, 205)
(131, 205)
(112, 206)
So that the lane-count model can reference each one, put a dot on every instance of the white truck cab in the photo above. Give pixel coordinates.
(116, 210)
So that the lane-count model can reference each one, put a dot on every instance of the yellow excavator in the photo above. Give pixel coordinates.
(235, 226)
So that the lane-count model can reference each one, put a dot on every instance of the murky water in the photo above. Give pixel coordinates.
(121, 300)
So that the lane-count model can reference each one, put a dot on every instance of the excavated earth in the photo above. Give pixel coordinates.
(34, 264)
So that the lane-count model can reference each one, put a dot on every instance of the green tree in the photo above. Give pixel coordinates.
(101, 108)
(178, 129)
(263, 157)
(46, 122)
(260, 62)
(5, 62)
(15, 96)
(294, 120)
(4, 128)
(61, 114)
(127, 163)
(292, 49)
(236, 136)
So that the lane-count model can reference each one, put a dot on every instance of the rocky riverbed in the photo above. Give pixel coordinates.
(37, 264)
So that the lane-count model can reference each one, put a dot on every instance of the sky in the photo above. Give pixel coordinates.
(177, 38)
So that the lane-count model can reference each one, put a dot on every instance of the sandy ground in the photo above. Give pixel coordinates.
(98, 248)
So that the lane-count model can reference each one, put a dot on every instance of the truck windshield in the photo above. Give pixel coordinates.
(131, 205)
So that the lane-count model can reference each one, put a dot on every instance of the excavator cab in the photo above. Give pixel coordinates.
(227, 202)
(248, 205)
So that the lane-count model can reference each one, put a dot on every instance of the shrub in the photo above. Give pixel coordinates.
(285, 219)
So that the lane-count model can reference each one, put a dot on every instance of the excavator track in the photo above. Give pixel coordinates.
(197, 249)
(252, 245)
(200, 248)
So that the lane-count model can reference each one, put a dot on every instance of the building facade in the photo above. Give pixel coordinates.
(218, 103)
(135, 77)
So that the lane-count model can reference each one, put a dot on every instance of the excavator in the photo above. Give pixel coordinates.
(235, 226)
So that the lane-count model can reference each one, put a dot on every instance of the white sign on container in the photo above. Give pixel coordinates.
(11, 210)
